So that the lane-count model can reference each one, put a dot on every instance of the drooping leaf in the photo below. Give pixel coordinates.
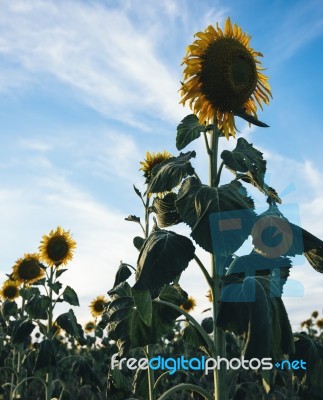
(68, 322)
(170, 173)
(166, 211)
(137, 191)
(274, 236)
(138, 242)
(248, 307)
(46, 357)
(9, 308)
(242, 113)
(70, 296)
(311, 352)
(192, 337)
(122, 274)
(140, 385)
(207, 324)
(27, 292)
(21, 331)
(221, 218)
(188, 130)
(143, 304)
(164, 255)
(125, 324)
(37, 306)
(60, 271)
(245, 158)
(85, 371)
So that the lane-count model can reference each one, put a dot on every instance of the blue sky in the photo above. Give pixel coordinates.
(87, 87)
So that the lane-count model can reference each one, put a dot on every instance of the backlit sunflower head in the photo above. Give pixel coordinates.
(10, 290)
(151, 161)
(222, 75)
(97, 306)
(189, 304)
(28, 269)
(89, 326)
(57, 247)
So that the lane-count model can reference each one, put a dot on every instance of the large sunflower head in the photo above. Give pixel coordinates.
(28, 269)
(10, 290)
(57, 247)
(222, 75)
(97, 306)
(151, 161)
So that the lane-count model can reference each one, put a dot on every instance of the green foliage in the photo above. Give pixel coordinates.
(21, 330)
(37, 306)
(122, 274)
(165, 210)
(126, 325)
(68, 322)
(46, 357)
(170, 173)
(197, 202)
(242, 113)
(164, 255)
(70, 296)
(188, 130)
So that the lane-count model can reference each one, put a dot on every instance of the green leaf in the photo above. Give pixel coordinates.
(166, 211)
(70, 296)
(250, 118)
(37, 307)
(122, 274)
(188, 130)
(143, 304)
(28, 292)
(311, 352)
(248, 307)
(169, 173)
(137, 191)
(164, 255)
(245, 158)
(68, 322)
(22, 330)
(125, 324)
(59, 272)
(46, 357)
(9, 308)
(138, 242)
(140, 384)
(133, 218)
(206, 209)
(120, 380)
(207, 324)
(56, 287)
(192, 337)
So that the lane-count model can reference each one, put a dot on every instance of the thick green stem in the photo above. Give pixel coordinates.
(49, 375)
(220, 376)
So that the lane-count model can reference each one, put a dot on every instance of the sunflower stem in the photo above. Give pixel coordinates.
(220, 387)
(49, 375)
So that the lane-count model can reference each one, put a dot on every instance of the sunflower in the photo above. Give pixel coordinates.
(89, 326)
(151, 161)
(28, 269)
(209, 295)
(189, 304)
(222, 75)
(97, 306)
(10, 290)
(57, 247)
(319, 323)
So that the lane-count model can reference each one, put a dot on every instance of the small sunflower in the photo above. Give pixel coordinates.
(209, 295)
(57, 247)
(28, 269)
(222, 75)
(319, 323)
(97, 306)
(89, 326)
(10, 290)
(151, 161)
(315, 314)
(189, 304)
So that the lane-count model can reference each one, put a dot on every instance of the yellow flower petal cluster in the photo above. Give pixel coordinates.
(57, 247)
(97, 306)
(222, 75)
(28, 269)
(153, 159)
(10, 290)
(189, 304)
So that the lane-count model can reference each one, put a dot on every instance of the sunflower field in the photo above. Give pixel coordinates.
(142, 342)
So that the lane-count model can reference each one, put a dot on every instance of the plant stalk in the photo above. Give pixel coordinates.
(49, 375)
(220, 376)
